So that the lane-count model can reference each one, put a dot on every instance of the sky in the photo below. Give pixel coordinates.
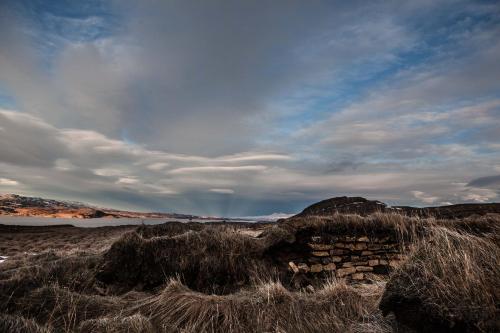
(238, 108)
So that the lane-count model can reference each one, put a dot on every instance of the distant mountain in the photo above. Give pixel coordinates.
(266, 218)
(17, 205)
(363, 206)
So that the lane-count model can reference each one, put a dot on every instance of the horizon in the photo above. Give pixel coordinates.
(249, 109)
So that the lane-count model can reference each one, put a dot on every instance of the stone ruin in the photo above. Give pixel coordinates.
(353, 258)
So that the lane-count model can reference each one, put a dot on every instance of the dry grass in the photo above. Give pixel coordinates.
(450, 282)
(400, 227)
(193, 278)
(267, 307)
(63, 309)
(217, 260)
(131, 324)
(18, 324)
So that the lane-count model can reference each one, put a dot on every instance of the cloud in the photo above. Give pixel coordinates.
(487, 181)
(425, 198)
(8, 182)
(165, 105)
(222, 190)
(215, 169)
(479, 195)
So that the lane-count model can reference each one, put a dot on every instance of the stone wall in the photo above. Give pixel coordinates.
(354, 258)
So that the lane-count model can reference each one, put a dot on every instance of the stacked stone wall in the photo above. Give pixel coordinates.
(353, 258)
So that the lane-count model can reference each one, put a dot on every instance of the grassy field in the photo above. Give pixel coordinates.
(225, 278)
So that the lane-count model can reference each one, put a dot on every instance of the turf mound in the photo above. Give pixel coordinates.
(451, 283)
(219, 260)
(269, 307)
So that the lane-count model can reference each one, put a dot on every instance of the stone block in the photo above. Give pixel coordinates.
(316, 268)
(383, 262)
(363, 239)
(336, 259)
(342, 272)
(326, 260)
(364, 269)
(320, 247)
(340, 245)
(320, 253)
(373, 262)
(294, 268)
(338, 252)
(366, 253)
(359, 246)
(375, 256)
(347, 264)
(303, 268)
(329, 267)
(358, 276)
(360, 263)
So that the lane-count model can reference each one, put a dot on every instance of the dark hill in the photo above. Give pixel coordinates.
(363, 207)
(344, 205)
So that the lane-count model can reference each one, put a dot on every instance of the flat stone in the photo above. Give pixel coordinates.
(294, 268)
(320, 253)
(366, 253)
(358, 276)
(364, 269)
(341, 245)
(329, 267)
(303, 267)
(337, 252)
(316, 268)
(326, 260)
(363, 239)
(336, 259)
(373, 262)
(342, 272)
(360, 263)
(383, 262)
(320, 247)
(347, 264)
(314, 260)
(360, 246)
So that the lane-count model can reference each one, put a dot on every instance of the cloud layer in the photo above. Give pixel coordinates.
(243, 108)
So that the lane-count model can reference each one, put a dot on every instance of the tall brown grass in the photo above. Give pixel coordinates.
(217, 260)
(267, 307)
(177, 278)
(451, 282)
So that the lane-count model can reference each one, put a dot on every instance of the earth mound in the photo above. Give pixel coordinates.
(344, 205)
(364, 207)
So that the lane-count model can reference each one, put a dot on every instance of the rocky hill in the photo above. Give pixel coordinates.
(364, 207)
(344, 205)
(17, 205)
